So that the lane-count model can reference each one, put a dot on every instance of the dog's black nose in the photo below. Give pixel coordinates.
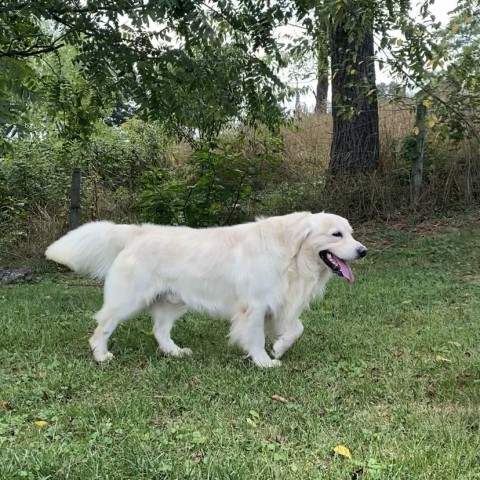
(361, 252)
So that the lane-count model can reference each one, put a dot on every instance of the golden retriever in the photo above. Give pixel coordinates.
(259, 275)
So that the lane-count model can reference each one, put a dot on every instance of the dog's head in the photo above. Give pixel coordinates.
(329, 239)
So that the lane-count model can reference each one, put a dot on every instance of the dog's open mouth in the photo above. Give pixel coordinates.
(337, 265)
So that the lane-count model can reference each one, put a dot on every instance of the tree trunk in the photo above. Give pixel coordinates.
(355, 142)
(417, 167)
(75, 197)
(322, 73)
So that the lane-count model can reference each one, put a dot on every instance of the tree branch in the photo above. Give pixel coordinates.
(425, 88)
(30, 53)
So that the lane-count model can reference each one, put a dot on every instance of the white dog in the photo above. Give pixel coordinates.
(259, 275)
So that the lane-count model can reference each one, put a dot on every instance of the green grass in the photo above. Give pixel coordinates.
(389, 367)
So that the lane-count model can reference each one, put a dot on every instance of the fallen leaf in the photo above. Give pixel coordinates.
(251, 423)
(470, 277)
(279, 439)
(439, 358)
(278, 398)
(41, 423)
(5, 405)
(343, 451)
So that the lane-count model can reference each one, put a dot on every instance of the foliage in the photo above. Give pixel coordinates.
(199, 110)
(17, 88)
(148, 51)
(390, 91)
(216, 187)
(35, 176)
(20, 38)
(440, 63)
(454, 85)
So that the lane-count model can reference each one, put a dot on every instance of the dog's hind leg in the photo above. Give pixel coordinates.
(248, 331)
(108, 318)
(121, 302)
(163, 315)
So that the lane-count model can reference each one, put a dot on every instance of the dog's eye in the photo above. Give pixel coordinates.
(338, 234)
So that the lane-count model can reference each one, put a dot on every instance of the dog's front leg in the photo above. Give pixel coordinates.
(288, 333)
(248, 331)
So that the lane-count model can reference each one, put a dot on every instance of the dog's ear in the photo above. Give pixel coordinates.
(298, 230)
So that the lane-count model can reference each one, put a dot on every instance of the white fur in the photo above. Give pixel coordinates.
(260, 276)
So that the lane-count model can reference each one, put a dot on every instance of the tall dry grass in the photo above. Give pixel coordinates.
(451, 171)
(306, 149)
(307, 142)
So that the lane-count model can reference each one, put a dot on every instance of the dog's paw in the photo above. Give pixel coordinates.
(276, 354)
(275, 363)
(270, 363)
(102, 357)
(182, 352)
(178, 352)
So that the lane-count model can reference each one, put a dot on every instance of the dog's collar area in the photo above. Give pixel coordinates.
(337, 265)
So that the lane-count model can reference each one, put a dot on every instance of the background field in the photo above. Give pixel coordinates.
(388, 367)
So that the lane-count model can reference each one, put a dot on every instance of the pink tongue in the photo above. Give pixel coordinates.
(345, 270)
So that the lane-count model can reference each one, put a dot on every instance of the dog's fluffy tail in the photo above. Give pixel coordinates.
(92, 248)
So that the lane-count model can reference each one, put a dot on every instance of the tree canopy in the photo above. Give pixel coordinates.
(187, 62)
(196, 65)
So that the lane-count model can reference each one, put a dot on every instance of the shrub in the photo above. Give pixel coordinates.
(219, 184)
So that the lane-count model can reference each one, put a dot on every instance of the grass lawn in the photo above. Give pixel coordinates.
(388, 367)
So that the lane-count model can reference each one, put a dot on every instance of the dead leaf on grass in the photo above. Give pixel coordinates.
(251, 423)
(343, 451)
(5, 405)
(471, 277)
(439, 358)
(279, 398)
(41, 423)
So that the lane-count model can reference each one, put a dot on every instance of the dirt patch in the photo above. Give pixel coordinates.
(16, 275)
